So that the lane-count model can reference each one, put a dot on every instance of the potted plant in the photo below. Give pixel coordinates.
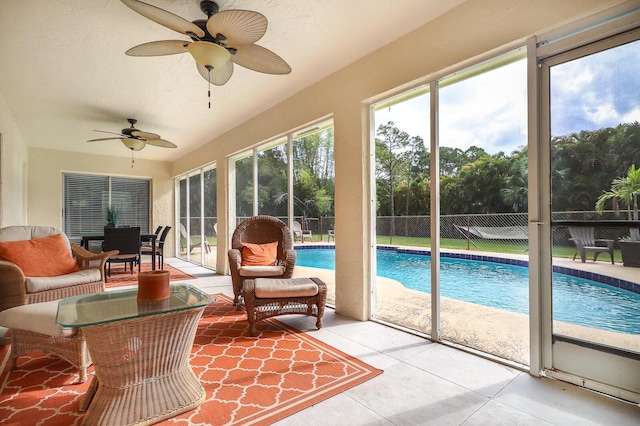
(111, 215)
(625, 191)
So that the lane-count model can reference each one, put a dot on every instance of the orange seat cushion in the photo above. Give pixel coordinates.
(41, 257)
(259, 254)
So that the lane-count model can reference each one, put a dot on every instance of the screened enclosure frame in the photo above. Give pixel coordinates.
(237, 213)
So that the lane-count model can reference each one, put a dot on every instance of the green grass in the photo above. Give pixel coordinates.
(497, 246)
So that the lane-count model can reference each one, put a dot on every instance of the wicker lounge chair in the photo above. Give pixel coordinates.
(260, 230)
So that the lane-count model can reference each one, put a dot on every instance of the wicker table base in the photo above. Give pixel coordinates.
(142, 369)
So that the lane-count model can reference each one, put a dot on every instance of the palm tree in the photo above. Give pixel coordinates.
(625, 191)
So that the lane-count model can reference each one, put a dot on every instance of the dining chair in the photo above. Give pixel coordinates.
(127, 242)
(159, 247)
(158, 232)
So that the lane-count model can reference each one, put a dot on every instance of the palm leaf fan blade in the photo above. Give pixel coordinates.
(238, 26)
(258, 58)
(144, 135)
(164, 18)
(161, 143)
(159, 48)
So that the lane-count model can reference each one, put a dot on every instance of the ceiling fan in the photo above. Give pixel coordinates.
(217, 43)
(135, 139)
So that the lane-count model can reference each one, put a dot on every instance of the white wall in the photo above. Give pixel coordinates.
(472, 29)
(45, 184)
(13, 171)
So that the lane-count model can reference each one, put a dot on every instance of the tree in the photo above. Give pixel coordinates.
(393, 153)
(624, 190)
(396, 154)
(516, 191)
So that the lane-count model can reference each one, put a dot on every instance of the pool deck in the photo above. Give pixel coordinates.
(494, 331)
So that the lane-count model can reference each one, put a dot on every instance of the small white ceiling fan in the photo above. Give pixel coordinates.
(135, 139)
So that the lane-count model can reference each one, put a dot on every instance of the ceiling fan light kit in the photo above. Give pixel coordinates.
(133, 144)
(209, 54)
(225, 38)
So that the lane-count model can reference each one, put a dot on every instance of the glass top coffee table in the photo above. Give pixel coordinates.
(140, 353)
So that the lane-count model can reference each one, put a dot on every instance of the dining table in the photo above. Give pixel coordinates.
(99, 236)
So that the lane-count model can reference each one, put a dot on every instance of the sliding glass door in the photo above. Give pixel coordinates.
(196, 234)
(592, 118)
(402, 288)
(484, 276)
(465, 282)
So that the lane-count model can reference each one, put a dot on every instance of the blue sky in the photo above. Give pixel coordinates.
(600, 90)
(489, 110)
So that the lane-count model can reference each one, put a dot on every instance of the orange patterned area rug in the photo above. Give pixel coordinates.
(120, 278)
(248, 380)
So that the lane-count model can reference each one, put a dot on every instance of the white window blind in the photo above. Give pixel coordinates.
(87, 196)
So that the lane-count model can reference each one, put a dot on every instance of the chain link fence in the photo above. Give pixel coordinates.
(498, 232)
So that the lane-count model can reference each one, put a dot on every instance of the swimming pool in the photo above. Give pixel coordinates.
(576, 300)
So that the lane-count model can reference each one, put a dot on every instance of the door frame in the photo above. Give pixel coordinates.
(610, 370)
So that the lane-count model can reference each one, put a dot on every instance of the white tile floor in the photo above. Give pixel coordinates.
(426, 383)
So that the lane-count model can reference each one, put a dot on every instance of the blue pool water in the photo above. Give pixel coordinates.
(575, 300)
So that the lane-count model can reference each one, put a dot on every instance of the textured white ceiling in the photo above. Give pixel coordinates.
(64, 73)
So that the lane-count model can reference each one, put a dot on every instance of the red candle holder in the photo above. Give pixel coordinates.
(153, 286)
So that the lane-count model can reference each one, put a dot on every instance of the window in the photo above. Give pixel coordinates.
(292, 178)
(481, 140)
(197, 216)
(273, 180)
(86, 198)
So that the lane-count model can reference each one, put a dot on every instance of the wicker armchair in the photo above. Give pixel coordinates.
(260, 230)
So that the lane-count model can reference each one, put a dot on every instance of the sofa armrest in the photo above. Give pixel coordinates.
(14, 292)
(86, 259)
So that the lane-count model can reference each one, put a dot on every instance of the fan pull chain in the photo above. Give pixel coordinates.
(132, 160)
(209, 81)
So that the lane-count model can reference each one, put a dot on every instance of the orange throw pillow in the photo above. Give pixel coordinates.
(42, 257)
(259, 254)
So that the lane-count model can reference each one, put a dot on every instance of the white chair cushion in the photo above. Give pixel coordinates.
(85, 276)
(261, 271)
(36, 317)
(268, 288)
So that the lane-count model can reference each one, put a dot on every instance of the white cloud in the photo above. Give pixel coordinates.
(602, 114)
(489, 110)
(631, 116)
